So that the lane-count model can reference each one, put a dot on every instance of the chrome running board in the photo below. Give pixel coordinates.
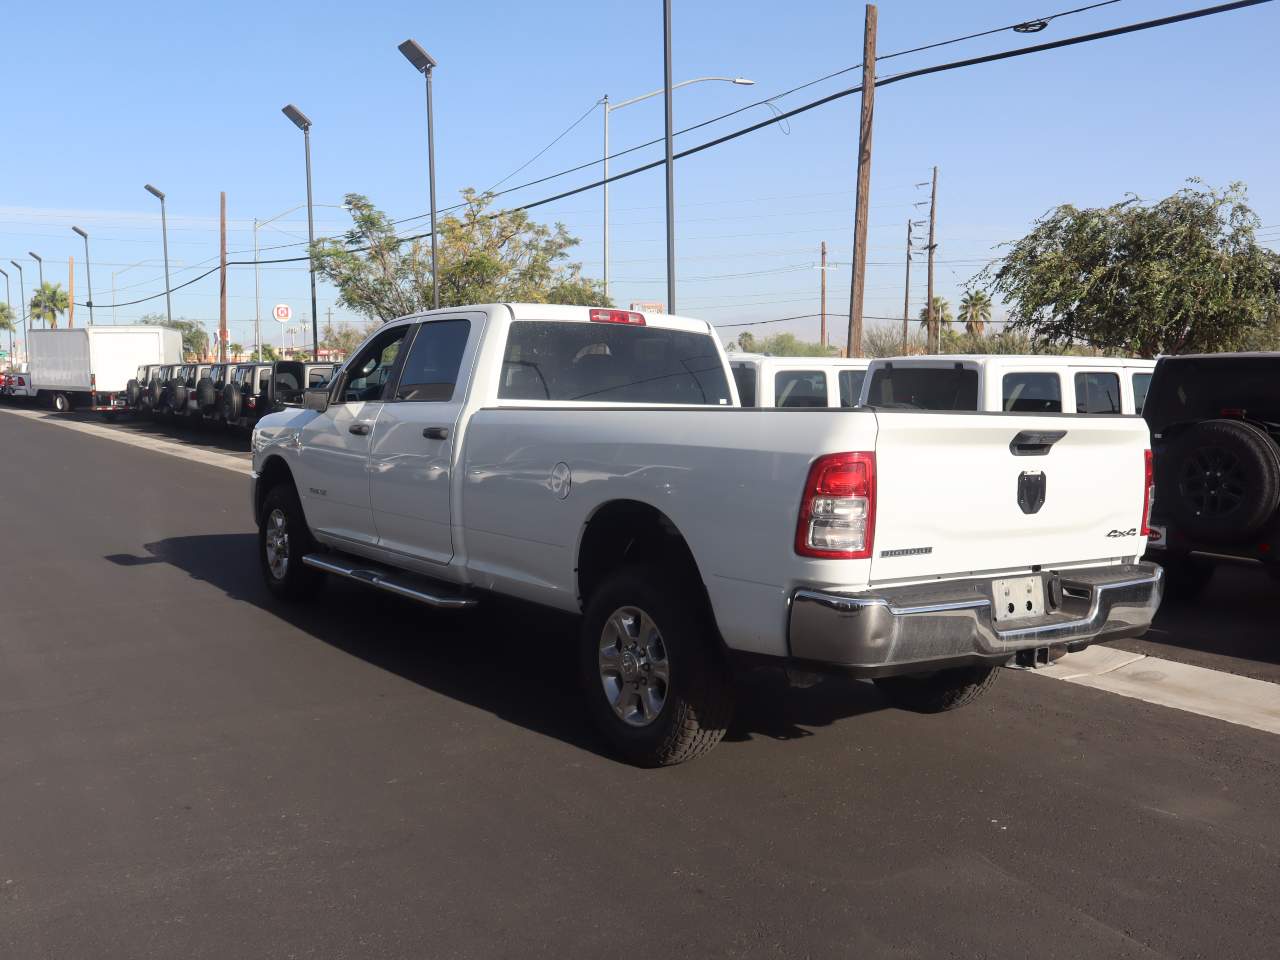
(433, 594)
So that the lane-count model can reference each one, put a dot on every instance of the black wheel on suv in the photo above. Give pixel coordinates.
(231, 403)
(940, 691)
(654, 680)
(1223, 480)
(206, 393)
(283, 540)
(133, 390)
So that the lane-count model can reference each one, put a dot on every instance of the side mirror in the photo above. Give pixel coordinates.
(317, 399)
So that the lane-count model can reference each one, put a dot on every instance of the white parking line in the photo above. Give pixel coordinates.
(208, 457)
(1209, 693)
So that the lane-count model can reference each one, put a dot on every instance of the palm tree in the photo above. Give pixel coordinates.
(47, 302)
(975, 311)
(6, 317)
(941, 312)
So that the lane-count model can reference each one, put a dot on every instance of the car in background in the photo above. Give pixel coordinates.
(1010, 383)
(256, 389)
(1215, 440)
(766, 381)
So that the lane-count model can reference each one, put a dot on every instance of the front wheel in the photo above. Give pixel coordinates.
(654, 681)
(939, 691)
(283, 540)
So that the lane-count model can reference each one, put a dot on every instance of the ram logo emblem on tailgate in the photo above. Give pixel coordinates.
(1031, 490)
(907, 552)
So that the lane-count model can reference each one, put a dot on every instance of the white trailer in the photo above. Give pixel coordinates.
(90, 367)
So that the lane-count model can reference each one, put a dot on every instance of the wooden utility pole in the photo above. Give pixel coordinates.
(823, 270)
(71, 294)
(858, 287)
(906, 295)
(222, 293)
(933, 221)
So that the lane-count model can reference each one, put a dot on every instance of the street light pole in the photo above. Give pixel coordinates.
(88, 275)
(22, 294)
(608, 109)
(40, 263)
(670, 167)
(164, 235)
(301, 121)
(424, 63)
(10, 306)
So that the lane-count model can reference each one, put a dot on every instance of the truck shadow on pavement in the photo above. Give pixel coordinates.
(514, 660)
(203, 436)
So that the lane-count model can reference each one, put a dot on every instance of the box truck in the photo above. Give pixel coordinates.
(90, 367)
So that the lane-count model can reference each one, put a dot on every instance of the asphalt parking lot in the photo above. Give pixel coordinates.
(189, 769)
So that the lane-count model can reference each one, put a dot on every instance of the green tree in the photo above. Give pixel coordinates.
(747, 342)
(1183, 274)
(485, 257)
(269, 354)
(885, 340)
(975, 311)
(343, 339)
(195, 340)
(235, 349)
(783, 345)
(47, 302)
(6, 317)
(941, 312)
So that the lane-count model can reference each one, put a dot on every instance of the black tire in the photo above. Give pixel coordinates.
(940, 691)
(1222, 479)
(156, 388)
(133, 391)
(61, 403)
(231, 403)
(697, 703)
(206, 393)
(1185, 578)
(296, 580)
(178, 397)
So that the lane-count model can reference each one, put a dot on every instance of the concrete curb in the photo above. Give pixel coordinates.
(1181, 686)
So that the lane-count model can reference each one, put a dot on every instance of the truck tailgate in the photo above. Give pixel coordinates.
(957, 495)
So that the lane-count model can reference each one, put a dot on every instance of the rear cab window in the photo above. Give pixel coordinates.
(851, 386)
(924, 388)
(611, 363)
(1097, 391)
(744, 375)
(1031, 392)
(800, 388)
(1141, 384)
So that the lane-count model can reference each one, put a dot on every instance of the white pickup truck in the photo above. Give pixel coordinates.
(595, 461)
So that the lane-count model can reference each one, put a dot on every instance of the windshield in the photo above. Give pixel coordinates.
(611, 363)
(924, 388)
(1206, 388)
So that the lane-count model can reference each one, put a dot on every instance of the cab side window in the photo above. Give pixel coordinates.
(1141, 384)
(366, 376)
(430, 369)
(1031, 393)
(851, 386)
(1097, 392)
(800, 388)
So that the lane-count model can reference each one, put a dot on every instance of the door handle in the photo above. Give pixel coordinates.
(359, 429)
(436, 433)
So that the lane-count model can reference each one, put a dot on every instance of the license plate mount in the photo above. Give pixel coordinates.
(1017, 598)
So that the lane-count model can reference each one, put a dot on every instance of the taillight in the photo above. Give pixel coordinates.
(629, 317)
(253, 403)
(1149, 495)
(838, 513)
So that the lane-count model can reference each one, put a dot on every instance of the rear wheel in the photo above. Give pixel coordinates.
(61, 402)
(1223, 480)
(283, 540)
(939, 691)
(655, 683)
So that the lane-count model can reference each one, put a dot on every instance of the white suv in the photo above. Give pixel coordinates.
(797, 381)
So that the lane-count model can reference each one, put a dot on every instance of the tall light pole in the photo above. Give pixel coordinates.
(670, 167)
(39, 262)
(9, 304)
(424, 63)
(608, 109)
(164, 234)
(301, 121)
(87, 274)
(22, 294)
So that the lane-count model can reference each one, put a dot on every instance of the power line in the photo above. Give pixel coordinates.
(796, 111)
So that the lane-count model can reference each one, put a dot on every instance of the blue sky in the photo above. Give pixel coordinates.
(188, 97)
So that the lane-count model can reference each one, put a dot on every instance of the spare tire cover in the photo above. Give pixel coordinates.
(1221, 480)
(231, 401)
(206, 394)
(179, 395)
(133, 390)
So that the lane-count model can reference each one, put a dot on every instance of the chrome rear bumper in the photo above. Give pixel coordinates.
(898, 629)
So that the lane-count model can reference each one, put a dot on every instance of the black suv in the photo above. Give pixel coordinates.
(208, 392)
(257, 389)
(1215, 435)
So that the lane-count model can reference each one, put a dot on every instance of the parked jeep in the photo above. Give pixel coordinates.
(156, 401)
(208, 392)
(256, 389)
(182, 390)
(1215, 427)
